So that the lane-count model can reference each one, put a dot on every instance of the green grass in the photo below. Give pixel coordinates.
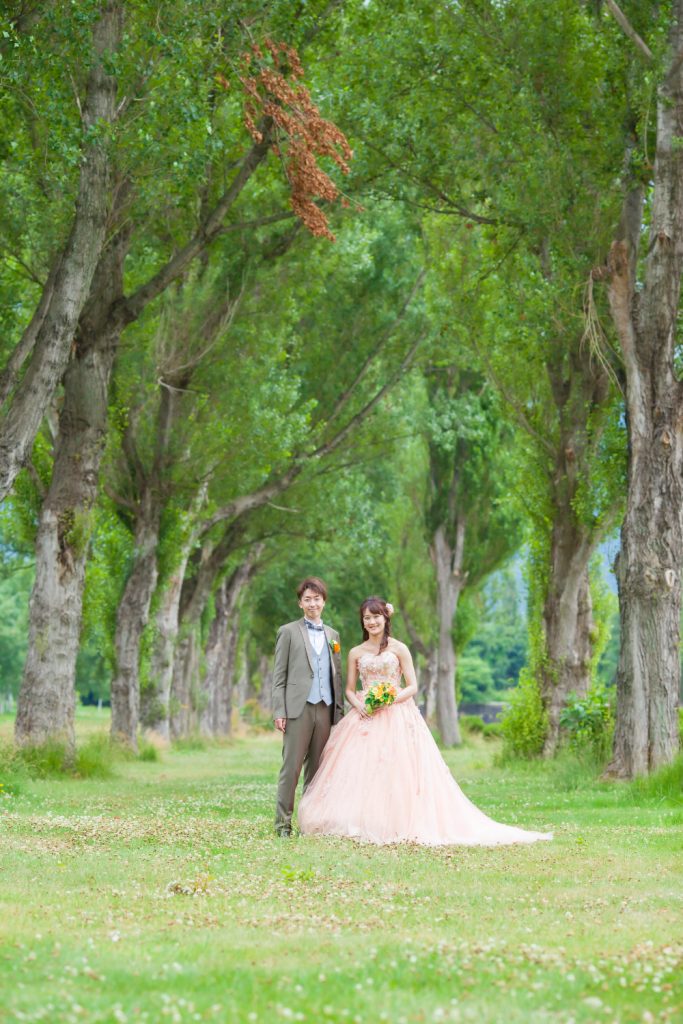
(161, 894)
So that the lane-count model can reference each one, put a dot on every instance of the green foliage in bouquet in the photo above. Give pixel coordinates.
(379, 696)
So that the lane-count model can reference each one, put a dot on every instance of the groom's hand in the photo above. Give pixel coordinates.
(281, 723)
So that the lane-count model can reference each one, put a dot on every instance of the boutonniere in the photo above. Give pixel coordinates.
(334, 646)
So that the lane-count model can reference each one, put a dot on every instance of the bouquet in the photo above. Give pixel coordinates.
(381, 695)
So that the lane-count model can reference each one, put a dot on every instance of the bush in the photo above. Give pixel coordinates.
(475, 679)
(253, 715)
(588, 721)
(524, 722)
(664, 786)
(147, 751)
(189, 743)
(493, 730)
(94, 759)
(472, 724)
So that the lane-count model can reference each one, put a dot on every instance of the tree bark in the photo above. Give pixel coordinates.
(651, 555)
(448, 562)
(131, 619)
(46, 699)
(265, 697)
(155, 697)
(221, 650)
(58, 318)
(428, 684)
(568, 627)
(194, 597)
(186, 664)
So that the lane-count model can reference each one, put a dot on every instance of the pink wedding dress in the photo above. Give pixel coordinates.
(383, 780)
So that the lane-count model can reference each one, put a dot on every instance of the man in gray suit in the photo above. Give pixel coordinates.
(308, 694)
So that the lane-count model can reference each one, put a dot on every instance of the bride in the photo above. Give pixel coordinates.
(381, 777)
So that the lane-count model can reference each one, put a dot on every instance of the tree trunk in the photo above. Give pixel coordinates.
(196, 591)
(651, 556)
(55, 323)
(427, 677)
(155, 697)
(448, 562)
(217, 684)
(46, 700)
(265, 672)
(131, 618)
(242, 690)
(568, 625)
(221, 650)
(186, 664)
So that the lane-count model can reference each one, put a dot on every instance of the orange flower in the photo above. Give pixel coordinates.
(336, 648)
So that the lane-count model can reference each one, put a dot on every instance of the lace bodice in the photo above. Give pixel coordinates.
(379, 668)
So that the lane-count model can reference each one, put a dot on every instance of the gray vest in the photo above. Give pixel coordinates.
(321, 688)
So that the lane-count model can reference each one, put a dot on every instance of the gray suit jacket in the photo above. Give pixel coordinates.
(293, 671)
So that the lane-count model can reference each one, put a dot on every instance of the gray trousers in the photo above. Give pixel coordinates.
(302, 745)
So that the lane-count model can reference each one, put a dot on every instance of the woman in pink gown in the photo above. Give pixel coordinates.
(381, 778)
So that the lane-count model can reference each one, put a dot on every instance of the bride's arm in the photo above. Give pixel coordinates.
(351, 678)
(408, 669)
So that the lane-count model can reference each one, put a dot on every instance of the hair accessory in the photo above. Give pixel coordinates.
(390, 608)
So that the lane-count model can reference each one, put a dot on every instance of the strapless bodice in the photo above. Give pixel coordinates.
(379, 668)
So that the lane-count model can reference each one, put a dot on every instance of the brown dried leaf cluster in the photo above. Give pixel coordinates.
(272, 83)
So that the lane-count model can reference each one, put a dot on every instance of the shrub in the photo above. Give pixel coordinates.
(524, 722)
(147, 751)
(664, 786)
(188, 743)
(253, 715)
(94, 759)
(475, 679)
(472, 724)
(588, 721)
(44, 759)
(493, 730)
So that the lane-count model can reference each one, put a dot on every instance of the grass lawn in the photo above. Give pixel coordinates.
(161, 894)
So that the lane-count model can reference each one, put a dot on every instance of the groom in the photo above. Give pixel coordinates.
(308, 695)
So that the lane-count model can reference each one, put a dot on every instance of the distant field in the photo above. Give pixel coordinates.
(161, 895)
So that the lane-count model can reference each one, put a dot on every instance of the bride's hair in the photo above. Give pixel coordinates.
(378, 606)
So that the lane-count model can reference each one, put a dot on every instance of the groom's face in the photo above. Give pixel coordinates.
(312, 604)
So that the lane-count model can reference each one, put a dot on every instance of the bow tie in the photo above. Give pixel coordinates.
(311, 626)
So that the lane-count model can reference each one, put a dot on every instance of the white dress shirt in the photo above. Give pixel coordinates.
(316, 636)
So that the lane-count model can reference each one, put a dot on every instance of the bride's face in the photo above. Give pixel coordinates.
(374, 623)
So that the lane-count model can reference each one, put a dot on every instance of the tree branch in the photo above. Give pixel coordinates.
(343, 399)
(248, 502)
(628, 29)
(129, 309)
(23, 349)
(520, 415)
(330, 446)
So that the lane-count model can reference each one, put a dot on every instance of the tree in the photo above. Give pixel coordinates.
(515, 232)
(471, 524)
(288, 121)
(644, 294)
(46, 341)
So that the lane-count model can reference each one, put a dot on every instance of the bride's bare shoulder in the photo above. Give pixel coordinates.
(398, 647)
(356, 651)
